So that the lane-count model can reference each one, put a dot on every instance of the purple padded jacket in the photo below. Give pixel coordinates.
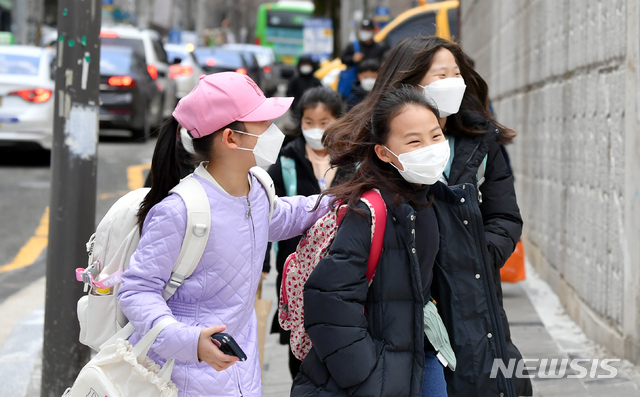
(220, 291)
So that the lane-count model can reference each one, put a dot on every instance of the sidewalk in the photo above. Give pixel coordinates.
(539, 328)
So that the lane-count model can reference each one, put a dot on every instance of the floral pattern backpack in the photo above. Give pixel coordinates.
(314, 246)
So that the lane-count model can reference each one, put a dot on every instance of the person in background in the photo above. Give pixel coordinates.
(369, 49)
(306, 159)
(367, 74)
(303, 81)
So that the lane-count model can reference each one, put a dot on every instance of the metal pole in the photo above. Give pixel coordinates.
(73, 188)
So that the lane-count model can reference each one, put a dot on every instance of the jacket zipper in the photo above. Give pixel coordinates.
(488, 279)
(235, 368)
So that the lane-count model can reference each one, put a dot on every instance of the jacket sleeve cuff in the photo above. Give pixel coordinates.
(178, 341)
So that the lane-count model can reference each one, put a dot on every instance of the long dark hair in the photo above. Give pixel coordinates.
(167, 155)
(373, 172)
(406, 64)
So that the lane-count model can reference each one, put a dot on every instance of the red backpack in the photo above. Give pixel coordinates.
(314, 246)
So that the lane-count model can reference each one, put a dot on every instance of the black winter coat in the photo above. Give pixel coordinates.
(374, 50)
(502, 227)
(368, 341)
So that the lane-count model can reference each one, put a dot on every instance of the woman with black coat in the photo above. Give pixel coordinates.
(304, 81)
(438, 68)
(370, 340)
(306, 160)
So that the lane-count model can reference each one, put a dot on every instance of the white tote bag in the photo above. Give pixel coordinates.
(123, 370)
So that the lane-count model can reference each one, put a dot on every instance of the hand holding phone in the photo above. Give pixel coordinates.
(228, 345)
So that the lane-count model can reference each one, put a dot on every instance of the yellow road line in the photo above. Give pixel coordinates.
(135, 175)
(33, 248)
(38, 242)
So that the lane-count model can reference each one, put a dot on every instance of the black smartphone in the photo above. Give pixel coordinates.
(228, 345)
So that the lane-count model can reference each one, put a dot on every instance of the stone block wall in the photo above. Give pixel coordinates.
(562, 73)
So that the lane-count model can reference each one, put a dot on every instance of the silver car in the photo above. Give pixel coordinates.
(26, 95)
(184, 69)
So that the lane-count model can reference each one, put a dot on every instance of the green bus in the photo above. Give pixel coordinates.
(279, 26)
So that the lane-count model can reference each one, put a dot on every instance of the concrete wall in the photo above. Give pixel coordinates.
(563, 74)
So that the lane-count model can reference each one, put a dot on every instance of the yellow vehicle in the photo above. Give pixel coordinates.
(440, 19)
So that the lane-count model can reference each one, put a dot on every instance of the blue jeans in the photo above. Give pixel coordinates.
(433, 383)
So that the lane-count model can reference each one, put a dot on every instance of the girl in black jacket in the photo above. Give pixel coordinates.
(369, 340)
(306, 160)
(475, 138)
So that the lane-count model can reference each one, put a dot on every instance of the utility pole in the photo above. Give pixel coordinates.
(73, 188)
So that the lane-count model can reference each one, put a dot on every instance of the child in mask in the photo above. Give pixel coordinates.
(303, 168)
(367, 74)
(368, 339)
(303, 81)
(225, 121)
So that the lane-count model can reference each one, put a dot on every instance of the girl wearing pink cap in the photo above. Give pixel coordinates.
(225, 124)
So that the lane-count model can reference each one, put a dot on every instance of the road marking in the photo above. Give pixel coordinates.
(33, 248)
(38, 242)
(135, 175)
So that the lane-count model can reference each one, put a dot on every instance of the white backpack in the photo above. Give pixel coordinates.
(116, 239)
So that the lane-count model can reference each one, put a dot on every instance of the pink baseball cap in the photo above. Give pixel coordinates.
(222, 98)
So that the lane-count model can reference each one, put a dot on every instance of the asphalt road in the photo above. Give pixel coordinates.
(25, 180)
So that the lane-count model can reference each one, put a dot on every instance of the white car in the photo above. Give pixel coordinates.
(26, 95)
(184, 69)
(148, 43)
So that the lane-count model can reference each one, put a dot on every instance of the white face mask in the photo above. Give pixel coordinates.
(365, 35)
(368, 83)
(447, 94)
(267, 147)
(187, 141)
(313, 137)
(306, 69)
(424, 165)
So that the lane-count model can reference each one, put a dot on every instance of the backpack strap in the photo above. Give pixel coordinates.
(289, 175)
(374, 200)
(266, 181)
(197, 234)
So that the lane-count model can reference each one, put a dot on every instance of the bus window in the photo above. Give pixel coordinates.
(279, 26)
(418, 25)
(286, 19)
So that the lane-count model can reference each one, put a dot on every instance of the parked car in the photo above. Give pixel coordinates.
(148, 43)
(218, 59)
(184, 68)
(266, 58)
(129, 97)
(26, 95)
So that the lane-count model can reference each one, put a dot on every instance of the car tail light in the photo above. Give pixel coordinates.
(211, 62)
(257, 40)
(36, 95)
(180, 71)
(266, 69)
(241, 71)
(153, 71)
(121, 81)
(108, 34)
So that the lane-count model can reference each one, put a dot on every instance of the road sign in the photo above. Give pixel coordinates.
(317, 38)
